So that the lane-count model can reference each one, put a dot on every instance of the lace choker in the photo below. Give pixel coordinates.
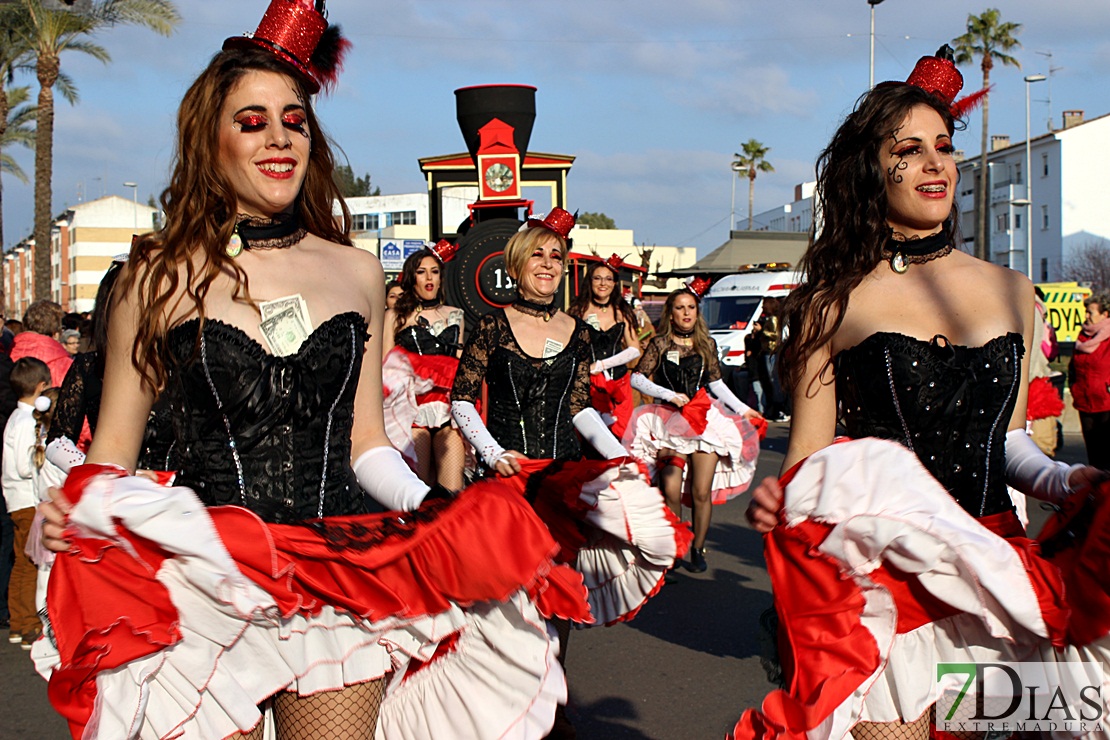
(903, 253)
(254, 232)
(528, 308)
(682, 334)
(601, 306)
(428, 305)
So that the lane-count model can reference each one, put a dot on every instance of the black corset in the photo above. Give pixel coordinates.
(529, 409)
(950, 404)
(419, 338)
(686, 376)
(605, 344)
(269, 433)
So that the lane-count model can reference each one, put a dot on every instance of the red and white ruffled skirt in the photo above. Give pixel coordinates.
(702, 425)
(612, 526)
(613, 400)
(879, 574)
(416, 392)
(176, 620)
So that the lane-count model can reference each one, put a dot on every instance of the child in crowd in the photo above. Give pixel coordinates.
(29, 378)
(46, 475)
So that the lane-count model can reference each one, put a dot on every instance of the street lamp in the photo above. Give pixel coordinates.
(871, 75)
(736, 168)
(135, 200)
(1029, 80)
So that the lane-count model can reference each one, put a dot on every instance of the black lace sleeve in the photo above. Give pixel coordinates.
(714, 370)
(475, 359)
(74, 400)
(649, 361)
(580, 390)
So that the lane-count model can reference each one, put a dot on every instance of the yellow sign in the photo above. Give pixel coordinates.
(1066, 313)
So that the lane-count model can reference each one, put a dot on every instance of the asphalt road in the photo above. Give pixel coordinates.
(686, 667)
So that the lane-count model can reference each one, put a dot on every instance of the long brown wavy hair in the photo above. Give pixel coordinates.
(408, 300)
(703, 343)
(852, 206)
(581, 304)
(200, 207)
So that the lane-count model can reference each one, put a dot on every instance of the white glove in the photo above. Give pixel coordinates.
(62, 452)
(725, 395)
(1031, 471)
(645, 386)
(476, 433)
(383, 473)
(623, 357)
(589, 424)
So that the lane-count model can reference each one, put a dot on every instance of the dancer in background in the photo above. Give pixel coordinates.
(613, 343)
(263, 580)
(701, 445)
(900, 549)
(534, 359)
(418, 374)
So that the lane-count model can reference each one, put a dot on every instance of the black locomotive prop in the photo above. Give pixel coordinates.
(496, 124)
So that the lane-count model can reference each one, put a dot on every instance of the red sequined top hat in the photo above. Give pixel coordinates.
(698, 286)
(938, 74)
(559, 221)
(615, 262)
(297, 32)
(444, 250)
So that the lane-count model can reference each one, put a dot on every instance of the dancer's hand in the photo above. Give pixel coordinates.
(763, 511)
(751, 415)
(1087, 478)
(680, 399)
(54, 514)
(507, 464)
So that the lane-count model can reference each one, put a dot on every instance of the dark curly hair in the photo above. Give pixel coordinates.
(408, 300)
(852, 207)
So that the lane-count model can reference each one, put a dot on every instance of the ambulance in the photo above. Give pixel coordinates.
(735, 302)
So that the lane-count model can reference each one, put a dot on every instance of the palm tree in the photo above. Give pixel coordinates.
(753, 160)
(51, 30)
(15, 128)
(989, 38)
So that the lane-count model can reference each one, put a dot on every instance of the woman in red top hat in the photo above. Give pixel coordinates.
(704, 447)
(271, 577)
(422, 343)
(899, 549)
(613, 343)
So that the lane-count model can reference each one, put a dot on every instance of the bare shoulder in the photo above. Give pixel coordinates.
(359, 261)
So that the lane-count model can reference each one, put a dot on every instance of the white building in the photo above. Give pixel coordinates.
(1067, 208)
(796, 216)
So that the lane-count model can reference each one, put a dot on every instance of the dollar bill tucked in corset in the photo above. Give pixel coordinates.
(270, 309)
(284, 332)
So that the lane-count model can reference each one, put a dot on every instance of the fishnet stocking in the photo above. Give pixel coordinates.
(346, 714)
(916, 730)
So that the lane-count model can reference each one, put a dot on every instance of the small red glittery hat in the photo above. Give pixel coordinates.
(444, 250)
(615, 262)
(698, 286)
(938, 75)
(297, 32)
(559, 221)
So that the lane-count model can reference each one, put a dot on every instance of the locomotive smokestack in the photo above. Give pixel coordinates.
(513, 104)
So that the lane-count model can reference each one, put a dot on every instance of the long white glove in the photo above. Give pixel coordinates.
(476, 432)
(725, 395)
(62, 452)
(645, 386)
(625, 356)
(1031, 471)
(383, 473)
(589, 424)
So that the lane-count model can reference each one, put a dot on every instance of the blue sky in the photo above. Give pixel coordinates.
(651, 96)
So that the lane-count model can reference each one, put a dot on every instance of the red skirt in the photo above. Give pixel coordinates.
(612, 526)
(878, 574)
(176, 620)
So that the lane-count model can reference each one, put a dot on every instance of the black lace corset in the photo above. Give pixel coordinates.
(685, 376)
(269, 433)
(605, 344)
(949, 404)
(419, 338)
